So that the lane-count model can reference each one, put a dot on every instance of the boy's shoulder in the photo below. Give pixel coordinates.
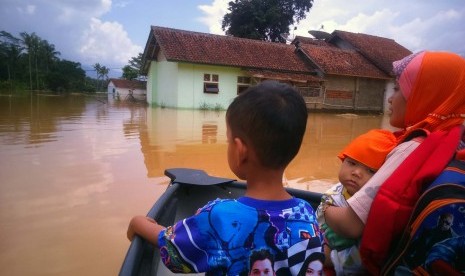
(215, 202)
(249, 203)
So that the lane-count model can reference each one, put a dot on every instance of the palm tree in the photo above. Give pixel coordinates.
(32, 43)
(48, 54)
(104, 71)
(10, 52)
(98, 70)
(102, 74)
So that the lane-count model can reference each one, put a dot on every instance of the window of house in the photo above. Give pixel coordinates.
(309, 91)
(210, 83)
(242, 84)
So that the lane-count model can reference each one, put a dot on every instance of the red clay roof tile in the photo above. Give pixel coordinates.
(379, 50)
(337, 61)
(194, 47)
(134, 84)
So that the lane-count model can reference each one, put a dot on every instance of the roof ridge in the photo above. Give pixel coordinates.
(362, 34)
(220, 36)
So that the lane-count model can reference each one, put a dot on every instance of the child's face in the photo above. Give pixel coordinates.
(353, 175)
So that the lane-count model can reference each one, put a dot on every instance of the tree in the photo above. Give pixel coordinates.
(129, 73)
(102, 74)
(66, 75)
(30, 61)
(10, 55)
(264, 20)
(31, 44)
(40, 53)
(132, 70)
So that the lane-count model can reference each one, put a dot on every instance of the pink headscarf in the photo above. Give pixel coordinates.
(433, 84)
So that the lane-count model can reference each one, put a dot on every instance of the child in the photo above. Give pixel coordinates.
(360, 160)
(265, 126)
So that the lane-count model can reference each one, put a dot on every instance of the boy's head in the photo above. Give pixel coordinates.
(269, 119)
(363, 157)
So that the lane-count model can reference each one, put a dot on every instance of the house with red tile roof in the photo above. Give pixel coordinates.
(192, 70)
(357, 68)
(127, 89)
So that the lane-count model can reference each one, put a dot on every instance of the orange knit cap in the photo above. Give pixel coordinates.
(370, 148)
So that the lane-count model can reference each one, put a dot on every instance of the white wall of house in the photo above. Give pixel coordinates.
(111, 86)
(166, 91)
(151, 85)
(191, 86)
(181, 85)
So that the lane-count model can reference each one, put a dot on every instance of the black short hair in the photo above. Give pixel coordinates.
(272, 118)
(260, 255)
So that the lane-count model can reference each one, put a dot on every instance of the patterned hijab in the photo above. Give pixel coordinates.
(433, 83)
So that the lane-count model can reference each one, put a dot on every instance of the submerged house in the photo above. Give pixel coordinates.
(123, 88)
(197, 70)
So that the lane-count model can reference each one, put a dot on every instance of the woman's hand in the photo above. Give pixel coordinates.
(344, 221)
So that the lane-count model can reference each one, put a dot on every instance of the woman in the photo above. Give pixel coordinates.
(429, 106)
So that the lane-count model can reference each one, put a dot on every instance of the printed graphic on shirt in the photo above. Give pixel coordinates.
(228, 237)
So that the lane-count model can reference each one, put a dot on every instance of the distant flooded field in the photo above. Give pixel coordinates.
(74, 169)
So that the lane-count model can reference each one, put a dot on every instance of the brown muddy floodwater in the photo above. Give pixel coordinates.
(75, 169)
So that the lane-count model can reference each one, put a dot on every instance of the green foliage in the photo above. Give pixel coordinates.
(218, 107)
(66, 76)
(29, 62)
(132, 70)
(204, 106)
(130, 73)
(264, 20)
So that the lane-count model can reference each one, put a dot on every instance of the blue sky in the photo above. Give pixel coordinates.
(112, 31)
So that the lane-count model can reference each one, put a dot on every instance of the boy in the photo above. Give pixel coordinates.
(360, 160)
(265, 126)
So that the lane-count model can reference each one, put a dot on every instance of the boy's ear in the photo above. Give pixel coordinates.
(242, 150)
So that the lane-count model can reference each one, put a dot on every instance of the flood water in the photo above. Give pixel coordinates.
(75, 169)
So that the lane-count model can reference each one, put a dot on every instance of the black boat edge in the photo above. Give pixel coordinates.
(189, 189)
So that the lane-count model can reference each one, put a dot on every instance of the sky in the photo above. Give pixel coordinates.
(111, 32)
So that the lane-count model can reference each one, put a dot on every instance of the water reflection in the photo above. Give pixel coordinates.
(184, 138)
(74, 169)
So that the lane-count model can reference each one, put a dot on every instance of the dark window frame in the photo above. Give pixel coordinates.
(211, 83)
(243, 82)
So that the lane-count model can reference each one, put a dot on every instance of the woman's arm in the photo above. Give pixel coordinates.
(344, 221)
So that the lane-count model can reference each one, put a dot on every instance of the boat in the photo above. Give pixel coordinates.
(189, 189)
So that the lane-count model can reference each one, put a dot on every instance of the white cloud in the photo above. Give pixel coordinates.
(28, 9)
(415, 24)
(74, 27)
(214, 14)
(121, 4)
(107, 43)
